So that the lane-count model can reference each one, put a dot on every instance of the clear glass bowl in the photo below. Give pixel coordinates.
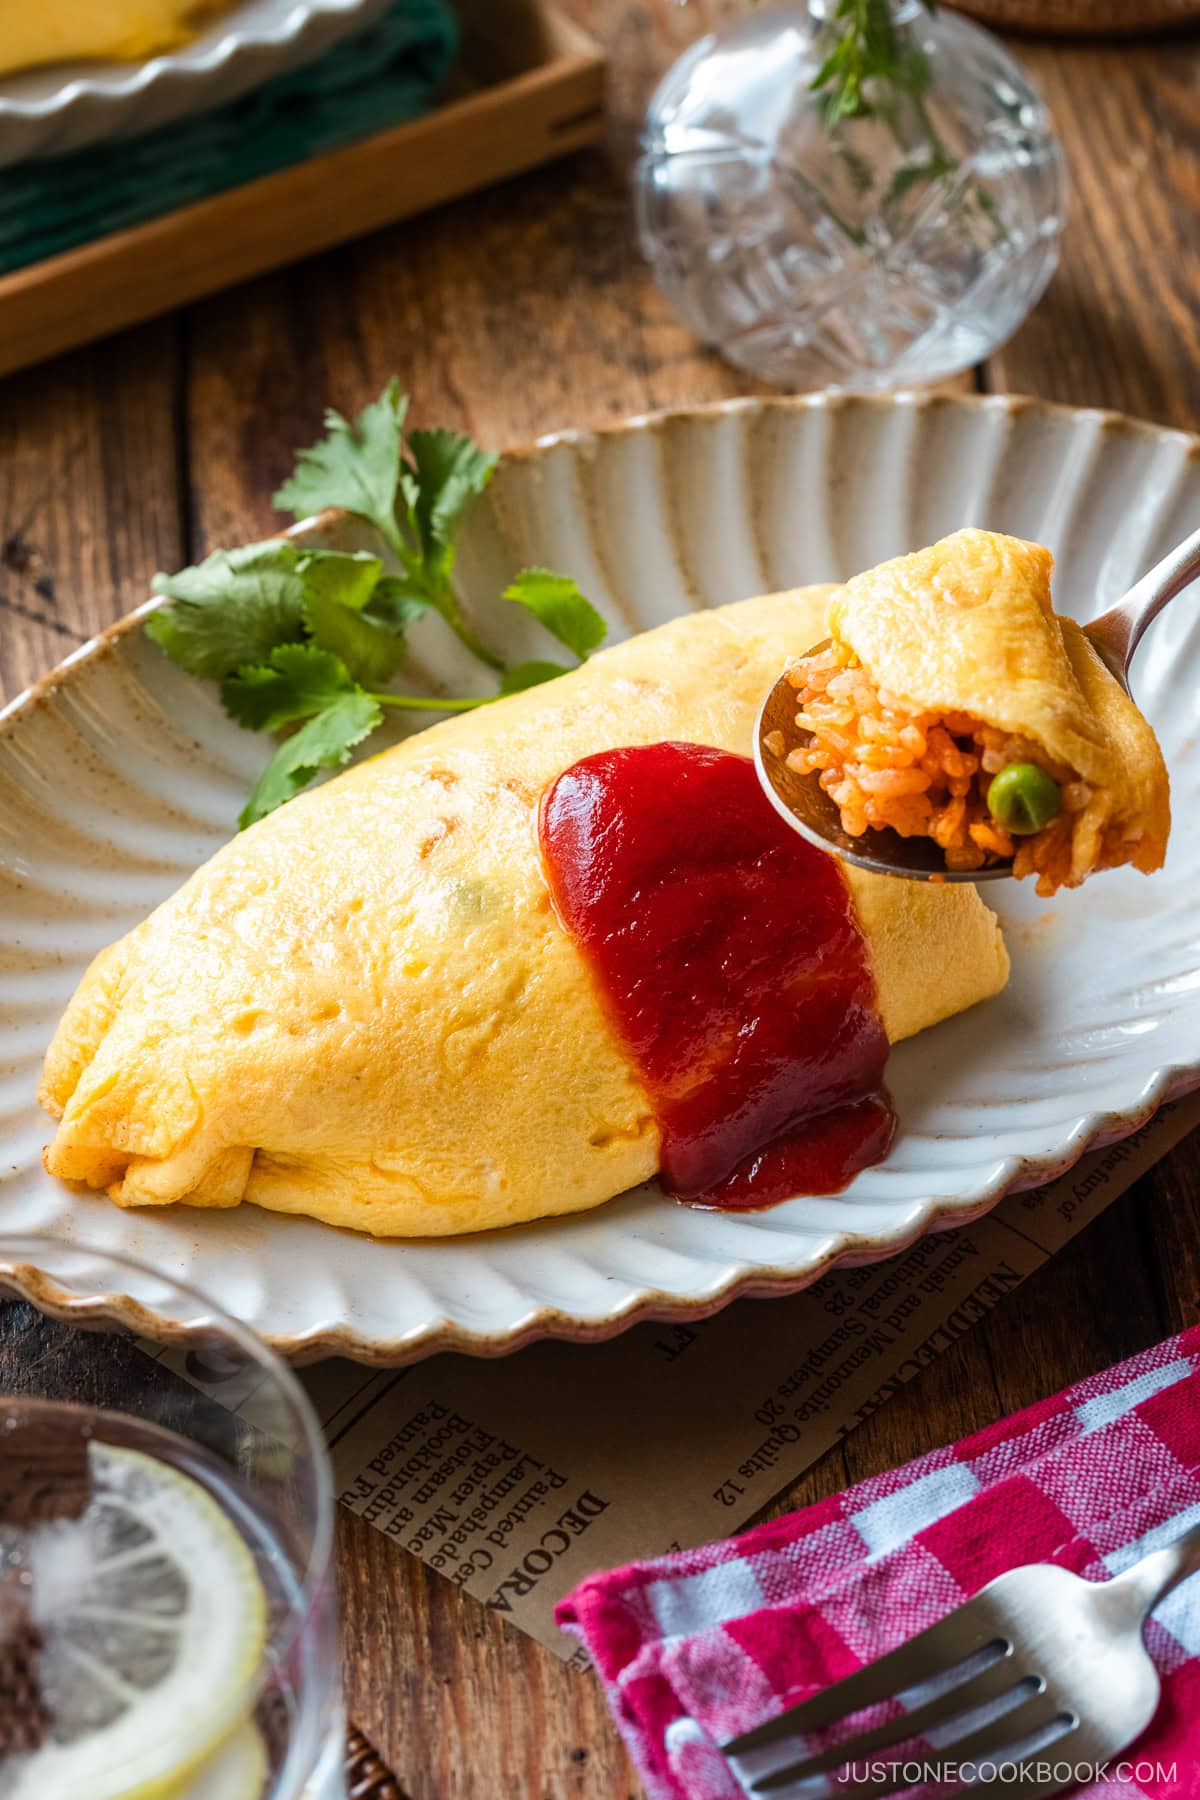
(218, 1408)
(888, 250)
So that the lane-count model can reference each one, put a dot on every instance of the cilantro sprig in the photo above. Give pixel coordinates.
(415, 493)
(304, 641)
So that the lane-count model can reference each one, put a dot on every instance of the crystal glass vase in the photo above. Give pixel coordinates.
(898, 246)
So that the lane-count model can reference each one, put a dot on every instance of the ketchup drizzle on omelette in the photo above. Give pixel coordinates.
(730, 960)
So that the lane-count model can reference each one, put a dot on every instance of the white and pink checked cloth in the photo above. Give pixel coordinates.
(703, 1644)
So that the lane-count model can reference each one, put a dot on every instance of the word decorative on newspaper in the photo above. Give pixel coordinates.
(457, 1495)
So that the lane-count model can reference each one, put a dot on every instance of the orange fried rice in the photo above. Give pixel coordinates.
(927, 775)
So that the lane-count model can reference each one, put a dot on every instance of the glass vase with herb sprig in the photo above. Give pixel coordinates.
(857, 193)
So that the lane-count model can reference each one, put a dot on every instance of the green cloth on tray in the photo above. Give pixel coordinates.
(392, 71)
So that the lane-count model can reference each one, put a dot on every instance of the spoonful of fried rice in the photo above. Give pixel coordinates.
(953, 727)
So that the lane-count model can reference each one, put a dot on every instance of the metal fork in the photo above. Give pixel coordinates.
(1041, 1666)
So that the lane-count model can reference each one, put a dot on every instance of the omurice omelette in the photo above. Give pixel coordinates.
(952, 702)
(511, 967)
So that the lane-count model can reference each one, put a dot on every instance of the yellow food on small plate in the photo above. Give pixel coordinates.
(952, 702)
(365, 1007)
(99, 30)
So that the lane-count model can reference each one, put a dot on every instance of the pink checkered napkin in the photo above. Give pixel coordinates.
(698, 1646)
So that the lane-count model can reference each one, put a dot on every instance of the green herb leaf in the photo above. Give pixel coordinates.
(348, 577)
(562, 609)
(530, 674)
(354, 465)
(866, 48)
(444, 473)
(231, 609)
(324, 743)
(396, 602)
(308, 637)
(295, 682)
(371, 651)
(873, 68)
(834, 63)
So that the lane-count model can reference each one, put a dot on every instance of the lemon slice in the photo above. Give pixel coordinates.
(238, 1771)
(153, 1620)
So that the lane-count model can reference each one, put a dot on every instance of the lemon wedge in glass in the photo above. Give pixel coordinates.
(153, 1620)
(238, 1771)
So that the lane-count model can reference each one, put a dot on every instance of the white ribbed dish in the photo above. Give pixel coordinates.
(44, 112)
(119, 775)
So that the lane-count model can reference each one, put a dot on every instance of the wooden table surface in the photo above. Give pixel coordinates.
(511, 314)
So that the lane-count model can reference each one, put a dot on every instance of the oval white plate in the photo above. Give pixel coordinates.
(44, 112)
(119, 775)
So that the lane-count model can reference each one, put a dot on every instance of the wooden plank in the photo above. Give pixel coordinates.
(1170, 1203)
(464, 1706)
(510, 314)
(543, 112)
(510, 36)
(89, 495)
(1120, 324)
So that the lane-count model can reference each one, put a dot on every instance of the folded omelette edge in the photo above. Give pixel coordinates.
(364, 1008)
(967, 625)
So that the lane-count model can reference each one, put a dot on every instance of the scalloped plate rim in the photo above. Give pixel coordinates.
(176, 65)
(90, 108)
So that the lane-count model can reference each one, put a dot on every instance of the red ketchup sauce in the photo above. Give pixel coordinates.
(729, 958)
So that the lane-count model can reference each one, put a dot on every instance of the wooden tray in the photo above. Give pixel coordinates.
(530, 87)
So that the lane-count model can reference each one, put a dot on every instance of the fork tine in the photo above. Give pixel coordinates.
(1012, 1729)
(998, 1679)
(905, 1667)
(989, 1740)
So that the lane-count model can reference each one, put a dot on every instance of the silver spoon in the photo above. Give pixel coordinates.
(803, 802)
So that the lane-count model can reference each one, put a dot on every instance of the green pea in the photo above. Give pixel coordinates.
(1023, 798)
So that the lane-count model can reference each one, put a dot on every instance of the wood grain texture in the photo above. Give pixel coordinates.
(514, 313)
(89, 494)
(1120, 324)
(1082, 18)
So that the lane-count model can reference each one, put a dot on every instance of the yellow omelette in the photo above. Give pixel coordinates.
(82, 30)
(365, 1008)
